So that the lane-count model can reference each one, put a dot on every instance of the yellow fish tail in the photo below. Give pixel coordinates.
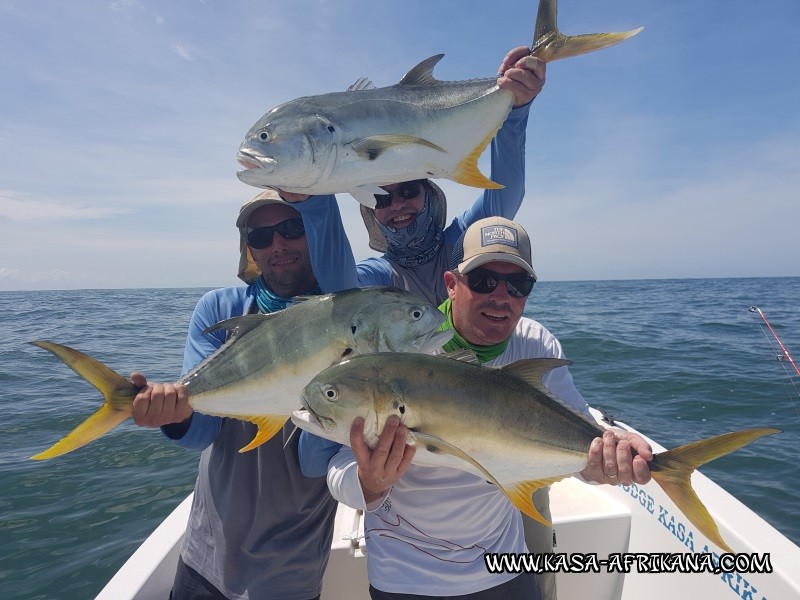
(550, 44)
(672, 471)
(117, 391)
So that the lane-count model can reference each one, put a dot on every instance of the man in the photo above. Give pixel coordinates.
(258, 528)
(408, 223)
(423, 524)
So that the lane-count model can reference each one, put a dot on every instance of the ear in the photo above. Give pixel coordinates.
(450, 283)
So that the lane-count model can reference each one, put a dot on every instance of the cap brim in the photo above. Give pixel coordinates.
(477, 261)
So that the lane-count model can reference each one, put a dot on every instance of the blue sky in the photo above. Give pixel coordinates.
(675, 154)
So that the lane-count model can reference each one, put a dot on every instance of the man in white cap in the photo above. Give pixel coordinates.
(487, 290)
(258, 528)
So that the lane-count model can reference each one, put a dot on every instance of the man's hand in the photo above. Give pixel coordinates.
(291, 197)
(611, 459)
(522, 74)
(159, 404)
(380, 468)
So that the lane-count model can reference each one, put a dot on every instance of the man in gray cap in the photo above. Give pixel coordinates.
(258, 528)
(487, 288)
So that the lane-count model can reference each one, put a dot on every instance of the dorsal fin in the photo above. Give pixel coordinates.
(239, 325)
(362, 83)
(422, 74)
(531, 370)
(463, 355)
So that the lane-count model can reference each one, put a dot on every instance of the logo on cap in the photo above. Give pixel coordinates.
(499, 234)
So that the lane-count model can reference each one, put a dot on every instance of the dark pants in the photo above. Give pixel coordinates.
(190, 585)
(522, 587)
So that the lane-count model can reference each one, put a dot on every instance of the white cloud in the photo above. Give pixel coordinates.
(182, 51)
(16, 207)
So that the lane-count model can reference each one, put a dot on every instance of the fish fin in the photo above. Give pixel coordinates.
(372, 146)
(437, 444)
(467, 172)
(365, 194)
(462, 355)
(550, 44)
(672, 470)
(267, 425)
(531, 370)
(362, 83)
(117, 391)
(239, 325)
(520, 496)
(422, 74)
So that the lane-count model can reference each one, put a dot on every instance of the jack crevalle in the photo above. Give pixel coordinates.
(258, 374)
(419, 128)
(501, 424)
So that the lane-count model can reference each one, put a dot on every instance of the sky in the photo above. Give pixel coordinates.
(675, 154)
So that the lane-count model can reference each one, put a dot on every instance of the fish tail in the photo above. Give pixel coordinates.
(117, 391)
(672, 470)
(550, 44)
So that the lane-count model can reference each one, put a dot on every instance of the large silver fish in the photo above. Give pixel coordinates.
(420, 128)
(501, 424)
(258, 374)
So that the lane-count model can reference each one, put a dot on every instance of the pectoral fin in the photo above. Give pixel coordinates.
(268, 426)
(371, 147)
(519, 494)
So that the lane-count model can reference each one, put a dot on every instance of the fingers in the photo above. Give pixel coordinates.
(381, 467)
(292, 196)
(619, 457)
(511, 59)
(159, 404)
(524, 78)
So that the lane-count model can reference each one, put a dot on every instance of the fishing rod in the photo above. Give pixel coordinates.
(784, 353)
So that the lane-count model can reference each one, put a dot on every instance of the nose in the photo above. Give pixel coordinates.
(279, 243)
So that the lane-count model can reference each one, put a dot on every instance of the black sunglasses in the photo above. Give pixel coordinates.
(406, 191)
(290, 229)
(484, 281)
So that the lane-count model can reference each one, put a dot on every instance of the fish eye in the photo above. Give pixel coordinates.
(330, 393)
(264, 136)
(416, 313)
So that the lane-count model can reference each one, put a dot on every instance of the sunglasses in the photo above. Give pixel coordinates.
(405, 191)
(484, 281)
(261, 237)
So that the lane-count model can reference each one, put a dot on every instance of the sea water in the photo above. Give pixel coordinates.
(677, 359)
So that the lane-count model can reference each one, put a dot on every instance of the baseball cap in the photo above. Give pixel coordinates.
(248, 269)
(492, 239)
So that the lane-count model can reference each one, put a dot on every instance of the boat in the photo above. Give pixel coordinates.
(600, 531)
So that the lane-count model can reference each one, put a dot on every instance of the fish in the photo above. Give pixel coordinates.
(501, 424)
(258, 373)
(357, 140)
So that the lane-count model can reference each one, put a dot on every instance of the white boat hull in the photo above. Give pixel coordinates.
(587, 519)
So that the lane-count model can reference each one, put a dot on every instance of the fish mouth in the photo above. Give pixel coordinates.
(307, 419)
(252, 162)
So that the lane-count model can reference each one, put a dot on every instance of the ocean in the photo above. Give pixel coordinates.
(677, 359)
